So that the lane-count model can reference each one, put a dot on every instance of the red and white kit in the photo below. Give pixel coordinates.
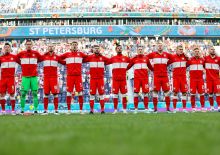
(74, 62)
(196, 70)
(179, 77)
(160, 63)
(51, 85)
(119, 68)
(97, 66)
(212, 78)
(28, 61)
(7, 78)
(8, 64)
(141, 64)
(50, 63)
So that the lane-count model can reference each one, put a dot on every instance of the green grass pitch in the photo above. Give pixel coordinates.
(121, 134)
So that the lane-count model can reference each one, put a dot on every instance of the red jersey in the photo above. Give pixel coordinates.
(179, 65)
(196, 68)
(141, 64)
(8, 63)
(160, 63)
(212, 67)
(28, 61)
(97, 65)
(50, 63)
(74, 62)
(119, 66)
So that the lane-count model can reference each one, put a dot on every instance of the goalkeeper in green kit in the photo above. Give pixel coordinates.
(28, 61)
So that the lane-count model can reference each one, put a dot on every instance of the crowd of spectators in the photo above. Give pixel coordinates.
(33, 6)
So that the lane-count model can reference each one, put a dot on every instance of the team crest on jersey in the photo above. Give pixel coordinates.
(200, 61)
(123, 59)
(78, 54)
(54, 57)
(216, 60)
(182, 58)
(12, 59)
(144, 60)
(33, 55)
(100, 58)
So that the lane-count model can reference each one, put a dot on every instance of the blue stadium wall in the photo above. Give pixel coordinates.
(109, 31)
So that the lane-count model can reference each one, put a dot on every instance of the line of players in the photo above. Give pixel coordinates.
(157, 62)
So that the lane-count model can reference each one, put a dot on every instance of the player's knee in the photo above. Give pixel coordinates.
(155, 94)
(55, 95)
(101, 97)
(115, 95)
(69, 94)
(12, 97)
(166, 93)
(34, 93)
(92, 97)
(211, 95)
(46, 95)
(146, 95)
(124, 95)
(174, 93)
(184, 94)
(80, 93)
(23, 94)
(135, 94)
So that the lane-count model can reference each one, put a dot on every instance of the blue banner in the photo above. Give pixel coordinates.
(108, 31)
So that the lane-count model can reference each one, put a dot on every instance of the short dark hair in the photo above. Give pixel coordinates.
(7, 44)
(117, 45)
(74, 42)
(30, 41)
(195, 48)
(95, 46)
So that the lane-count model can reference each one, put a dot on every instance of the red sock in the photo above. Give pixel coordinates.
(146, 102)
(218, 100)
(193, 101)
(202, 101)
(80, 102)
(115, 100)
(124, 102)
(174, 103)
(211, 101)
(102, 104)
(167, 100)
(46, 103)
(3, 104)
(55, 103)
(155, 100)
(184, 104)
(92, 105)
(13, 105)
(135, 102)
(68, 102)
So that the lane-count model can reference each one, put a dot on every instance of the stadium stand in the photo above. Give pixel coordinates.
(32, 6)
